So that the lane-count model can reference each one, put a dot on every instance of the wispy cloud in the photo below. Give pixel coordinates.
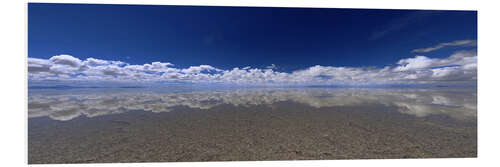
(400, 23)
(442, 45)
(272, 66)
(458, 67)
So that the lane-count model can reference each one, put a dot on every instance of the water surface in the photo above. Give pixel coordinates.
(156, 125)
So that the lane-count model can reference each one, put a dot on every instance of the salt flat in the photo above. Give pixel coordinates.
(157, 125)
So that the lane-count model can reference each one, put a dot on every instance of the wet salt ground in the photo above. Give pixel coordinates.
(252, 124)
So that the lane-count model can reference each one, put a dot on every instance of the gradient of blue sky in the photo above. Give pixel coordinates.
(227, 37)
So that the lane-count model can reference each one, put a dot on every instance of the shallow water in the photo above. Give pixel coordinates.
(156, 125)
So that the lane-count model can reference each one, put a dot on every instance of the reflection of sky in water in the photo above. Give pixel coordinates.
(68, 104)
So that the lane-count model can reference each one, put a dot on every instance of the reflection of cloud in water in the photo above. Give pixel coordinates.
(459, 104)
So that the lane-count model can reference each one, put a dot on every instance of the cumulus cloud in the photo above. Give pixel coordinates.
(417, 62)
(113, 71)
(461, 66)
(98, 62)
(458, 67)
(66, 60)
(199, 69)
(442, 45)
(38, 65)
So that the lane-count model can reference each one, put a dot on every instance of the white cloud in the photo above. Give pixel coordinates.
(95, 62)
(113, 71)
(442, 45)
(66, 60)
(417, 62)
(272, 66)
(38, 65)
(459, 67)
(199, 69)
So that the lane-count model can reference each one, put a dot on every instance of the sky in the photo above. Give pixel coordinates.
(249, 45)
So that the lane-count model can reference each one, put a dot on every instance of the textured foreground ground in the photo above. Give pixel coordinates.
(282, 131)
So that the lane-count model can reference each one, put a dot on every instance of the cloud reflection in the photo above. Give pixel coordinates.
(459, 104)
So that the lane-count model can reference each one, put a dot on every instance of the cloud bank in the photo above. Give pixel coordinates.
(460, 67)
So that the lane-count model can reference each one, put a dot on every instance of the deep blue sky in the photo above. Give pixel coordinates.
(227, 37)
